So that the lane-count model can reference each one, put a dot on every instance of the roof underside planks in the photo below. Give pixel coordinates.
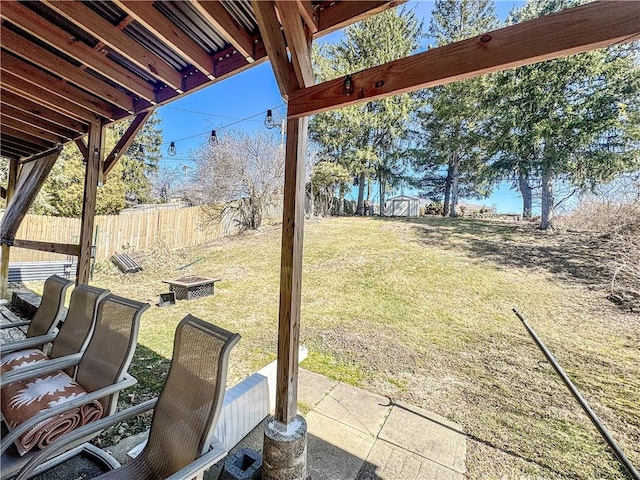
(67, 64)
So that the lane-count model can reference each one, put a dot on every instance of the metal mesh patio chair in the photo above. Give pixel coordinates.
(181, 444)
(44, 322)
(101, 372)
(72, 337)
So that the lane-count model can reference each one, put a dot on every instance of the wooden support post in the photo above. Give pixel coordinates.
(94, 159)
(4, 266)
(291, 271)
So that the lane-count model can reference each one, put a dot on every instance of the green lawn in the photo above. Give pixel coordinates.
(421, 311)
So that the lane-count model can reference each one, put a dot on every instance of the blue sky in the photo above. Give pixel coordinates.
(230, 104)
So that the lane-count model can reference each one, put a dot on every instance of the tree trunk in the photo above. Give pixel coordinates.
(360, 207)
(383, 187)
(546, 220)
(527, 196)
(341, 203)
(447, 191)
(455, 190)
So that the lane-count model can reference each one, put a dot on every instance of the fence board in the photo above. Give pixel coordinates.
(171, 228)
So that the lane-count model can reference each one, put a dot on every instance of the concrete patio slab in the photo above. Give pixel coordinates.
(357, 408)
(335, 451)
(388, 462)
(313, 387)
(425, 434)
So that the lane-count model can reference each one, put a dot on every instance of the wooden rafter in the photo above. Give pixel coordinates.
(215, 13)
(22, 47)
(276, 47)
(19, 146)
(49, 33)
(125, 141)
(6, 129)
(572, 31)
(308, 13)
(40, 111)
(36, 121)
(150, 17)
(41, 95)
(23, 127)
(33, 75)
(85, 18)
(29, 181)
(340, 14)
(298, 41)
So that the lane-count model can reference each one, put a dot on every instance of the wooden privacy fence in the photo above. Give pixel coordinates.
(171, 228)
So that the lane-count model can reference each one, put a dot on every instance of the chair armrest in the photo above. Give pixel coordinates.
(89, 429)
(12, 436)
(40, 368)
(23, 323)
(217, 453)
(25, 343)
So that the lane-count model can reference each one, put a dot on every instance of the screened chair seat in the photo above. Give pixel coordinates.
(101, 373)
(44, 322)
(181, 443)
(71, 339)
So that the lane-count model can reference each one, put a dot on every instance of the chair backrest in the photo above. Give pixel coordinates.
(80, 321)
(190, 401)
(108, 355)
(53, 293)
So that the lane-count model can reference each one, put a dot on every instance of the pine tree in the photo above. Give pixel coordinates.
(366, 138)
(451, 148)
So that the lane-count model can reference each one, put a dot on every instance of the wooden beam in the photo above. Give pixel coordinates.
(40, 111)
(37, 94)
(19, 147)
(32, 177)
(215, 13)
(276, 47)
(3, 192)
(33, 75)
(571, 31)
(94, 145)
(5, 250)
(308, 13)
(31, 139)
(36, 121)
(30, 129)
(88, 20)
(82, 147)
(150, 17)
(338, 15)
(125, 141)
(62, 248)
(298, 43)
(22, 47)
(291, 271)
(48, 32)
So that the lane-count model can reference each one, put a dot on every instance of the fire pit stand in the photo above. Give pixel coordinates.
(191, 286)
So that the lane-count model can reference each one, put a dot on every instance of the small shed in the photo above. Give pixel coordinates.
(402, 206)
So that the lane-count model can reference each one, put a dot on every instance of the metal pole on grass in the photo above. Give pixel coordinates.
(583, 403)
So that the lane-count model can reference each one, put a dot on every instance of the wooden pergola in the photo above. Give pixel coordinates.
(70, 68)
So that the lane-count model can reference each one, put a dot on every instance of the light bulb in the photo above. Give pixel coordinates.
(213, 139)
(268, 120)
(171, 151)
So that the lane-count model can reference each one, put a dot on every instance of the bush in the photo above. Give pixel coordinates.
(613, 214)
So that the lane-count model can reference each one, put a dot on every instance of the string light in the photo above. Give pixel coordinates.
(268, 120)
(171, 151)
(213, 139)
(348, 85)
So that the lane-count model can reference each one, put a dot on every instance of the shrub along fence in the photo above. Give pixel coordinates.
(169, 227)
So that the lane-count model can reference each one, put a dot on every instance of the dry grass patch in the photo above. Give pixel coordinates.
(420, 311)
